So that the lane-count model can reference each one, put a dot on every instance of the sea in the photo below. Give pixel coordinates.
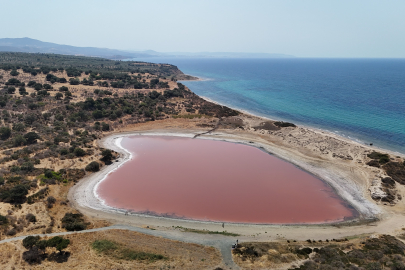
(361, 99)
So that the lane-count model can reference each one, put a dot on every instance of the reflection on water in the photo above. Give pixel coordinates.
(215, 180)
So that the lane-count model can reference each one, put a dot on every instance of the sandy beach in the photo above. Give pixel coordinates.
(336, 160)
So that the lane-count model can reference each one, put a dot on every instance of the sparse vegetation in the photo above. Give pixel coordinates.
(284, 124)
(206, 231)
(113, 249)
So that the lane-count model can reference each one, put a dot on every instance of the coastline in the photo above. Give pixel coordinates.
(336, 133)
(341, 177)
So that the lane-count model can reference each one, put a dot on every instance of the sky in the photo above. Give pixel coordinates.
(310, 28)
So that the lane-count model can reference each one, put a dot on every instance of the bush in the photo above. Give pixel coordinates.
(27, 166)
(31, 218)
(31, 137)
(18, 194)
(48, 174)
(374, 163)
(19, 127)
(5, 133)
(3, 220)
(38, 86)
(14, 73)
(104, 245)
(73, 222)
(382, 158)
(284, 124)
(93, 167)
(105, 126)
(63, 89)
(11, 90)
(107, 155)
(31, 83)
(79, 152)
(50, 201)
(74, 81)
(19, 141)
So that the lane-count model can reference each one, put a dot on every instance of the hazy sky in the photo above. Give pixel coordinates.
(324, 28)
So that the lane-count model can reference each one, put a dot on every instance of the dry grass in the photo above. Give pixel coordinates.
(83, 256)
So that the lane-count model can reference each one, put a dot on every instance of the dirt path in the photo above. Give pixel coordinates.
(223, 243)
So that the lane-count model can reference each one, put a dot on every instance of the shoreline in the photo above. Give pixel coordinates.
(351, 182)
(364, 210)
(336, 133)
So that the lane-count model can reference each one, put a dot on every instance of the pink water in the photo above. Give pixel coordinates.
(219, 181)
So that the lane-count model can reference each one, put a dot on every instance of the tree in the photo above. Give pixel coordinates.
(93, 167)
(31, 83)
(68, 94)
(79, 152)
(63, 89)
(62, 244)
(58, 242)
(58, 96)
(23, 91)
(107, 155)
(11, 90)
(18, 194)
(38, 86)
(30, 241)
(5, 133)
(31, 137)
(74, 81)
(14, 73)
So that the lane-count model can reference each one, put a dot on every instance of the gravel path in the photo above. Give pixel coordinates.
(223, 243)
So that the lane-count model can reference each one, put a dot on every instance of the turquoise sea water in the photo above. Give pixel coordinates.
(363, 99)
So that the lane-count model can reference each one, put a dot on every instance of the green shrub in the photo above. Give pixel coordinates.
(132, 255)
(104, 245)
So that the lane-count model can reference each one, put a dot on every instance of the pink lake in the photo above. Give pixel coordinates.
(217, 181)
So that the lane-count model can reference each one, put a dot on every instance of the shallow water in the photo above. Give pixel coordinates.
(218, 181)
